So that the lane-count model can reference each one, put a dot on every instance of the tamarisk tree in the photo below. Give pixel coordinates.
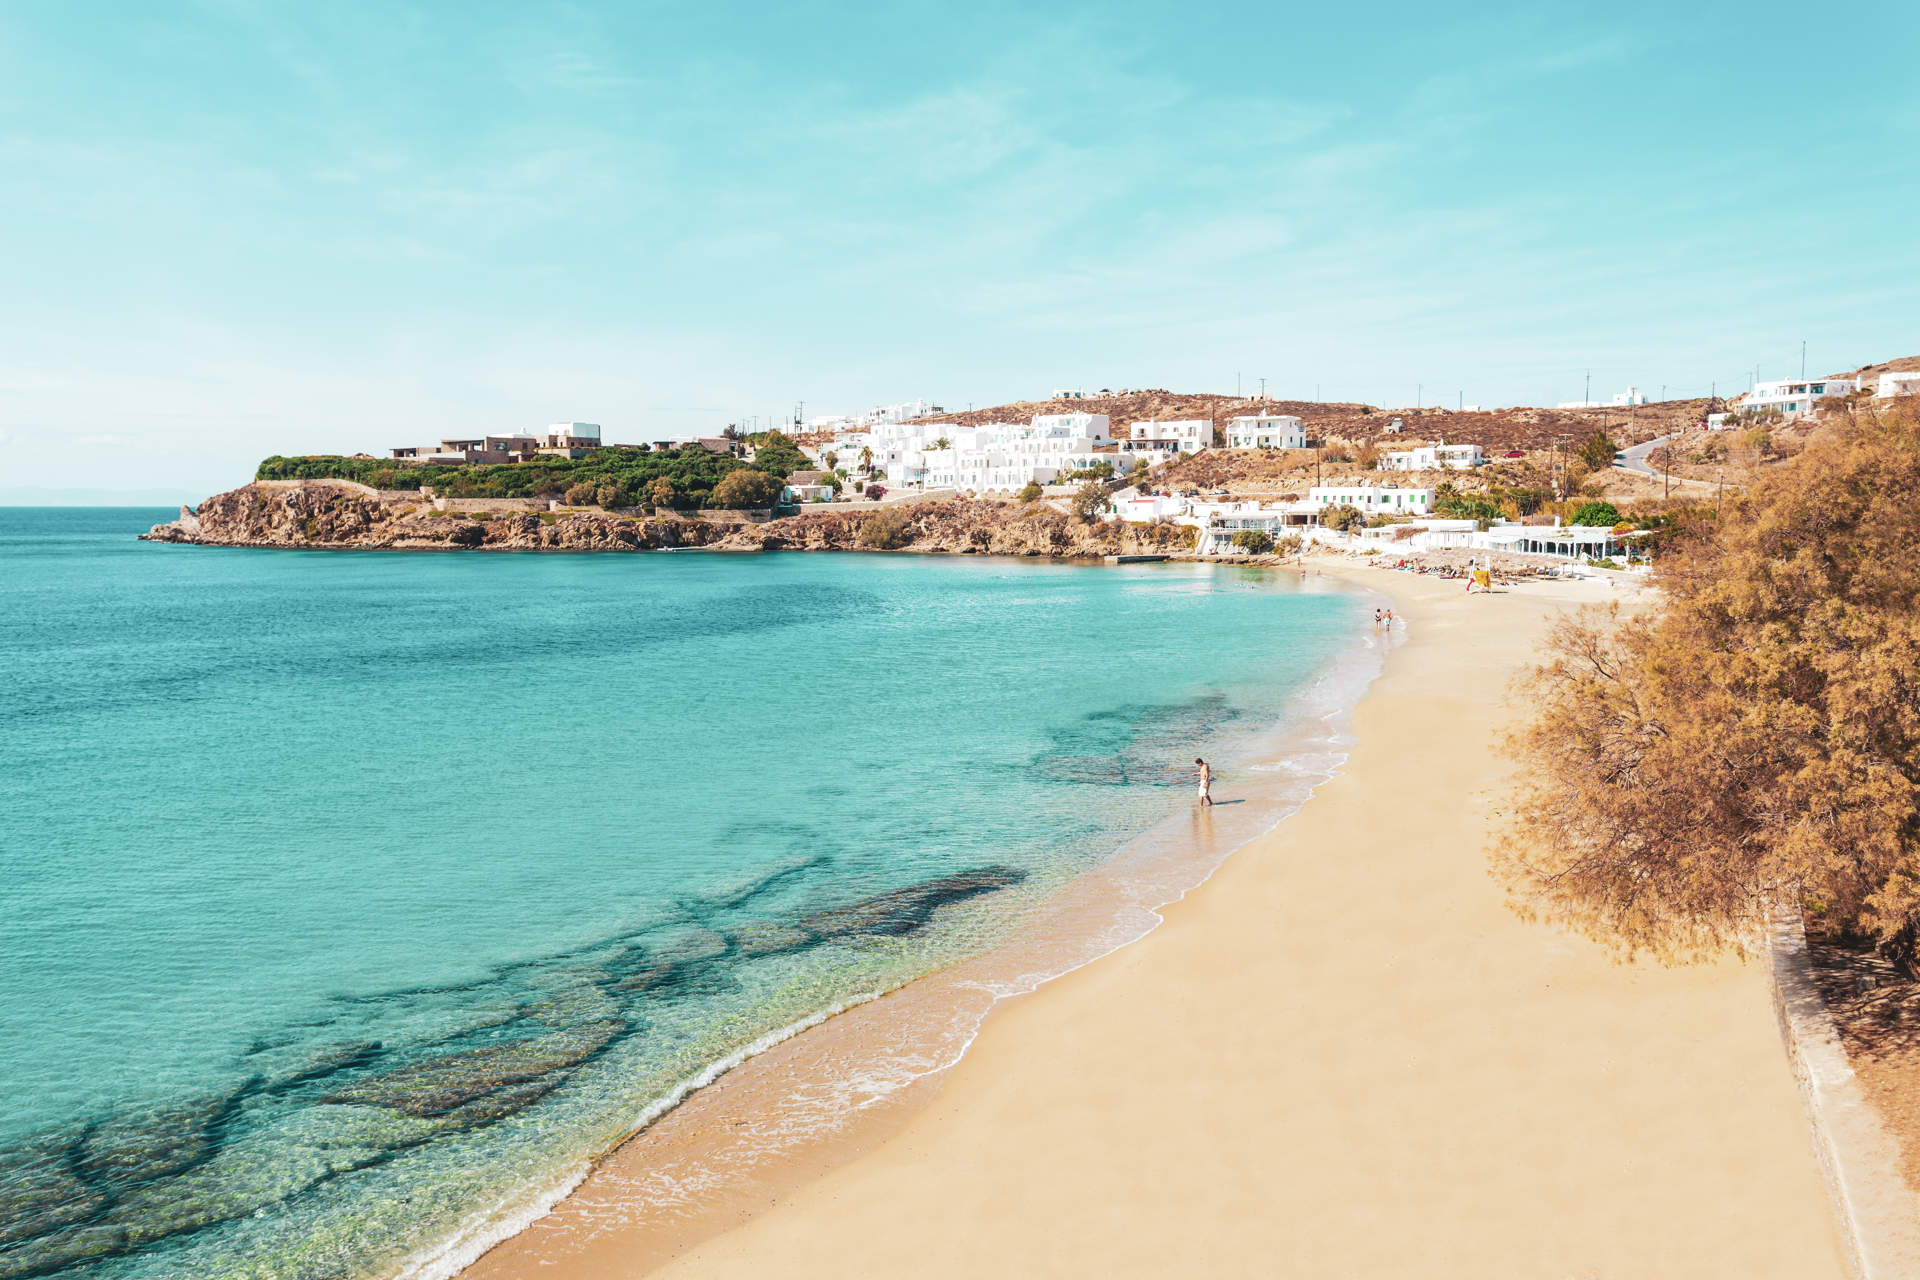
(1756, 742)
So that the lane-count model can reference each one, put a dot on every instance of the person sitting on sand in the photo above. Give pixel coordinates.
(1206, 781)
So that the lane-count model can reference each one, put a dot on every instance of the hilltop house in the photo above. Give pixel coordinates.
(1904, 383)
(1275, 431)
(1793, 397)
(568, 439)
(1190, 436)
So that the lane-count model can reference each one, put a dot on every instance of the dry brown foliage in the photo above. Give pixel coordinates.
(1758, 739)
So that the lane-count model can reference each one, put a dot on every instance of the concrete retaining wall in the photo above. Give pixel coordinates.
(1878, 1216)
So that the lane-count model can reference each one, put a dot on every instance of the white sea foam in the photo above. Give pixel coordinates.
(509, 1217)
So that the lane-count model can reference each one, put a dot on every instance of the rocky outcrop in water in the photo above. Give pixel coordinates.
(301, 1115)
(325, 514)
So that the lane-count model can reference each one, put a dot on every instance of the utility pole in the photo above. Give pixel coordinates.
(1236, 385)
(1419, 393)
(1462, 404)
(1587, 395)
(1803, 357)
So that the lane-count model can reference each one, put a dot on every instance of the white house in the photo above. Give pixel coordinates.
(1905, 383)
(1631, 396)
(1276, 431)
(1186, 437)
(1372, 500)
(1436, 457)
(1219, 521)
(1141, 509)
(807, 486)
(1793, 397)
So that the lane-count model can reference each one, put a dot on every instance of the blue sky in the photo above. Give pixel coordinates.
(237, 228)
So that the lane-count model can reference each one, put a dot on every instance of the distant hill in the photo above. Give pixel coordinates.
(1493, 430)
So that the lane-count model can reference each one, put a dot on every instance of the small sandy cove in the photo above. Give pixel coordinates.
(1341, 1056)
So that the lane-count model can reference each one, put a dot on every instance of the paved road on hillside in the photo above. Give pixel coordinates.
(1634, 458)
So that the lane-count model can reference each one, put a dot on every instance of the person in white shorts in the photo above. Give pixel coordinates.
(1206, 781)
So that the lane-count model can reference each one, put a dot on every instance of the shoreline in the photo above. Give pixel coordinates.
(1094, 1163)
(933, 1018)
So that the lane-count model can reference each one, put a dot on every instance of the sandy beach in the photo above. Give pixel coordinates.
(1340, 1056)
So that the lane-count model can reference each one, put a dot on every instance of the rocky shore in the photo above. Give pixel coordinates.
(337, 516)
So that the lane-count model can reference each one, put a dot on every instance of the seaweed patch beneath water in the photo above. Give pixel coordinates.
(303, 1114)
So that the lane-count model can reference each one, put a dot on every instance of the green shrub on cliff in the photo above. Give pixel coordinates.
(1253, 541)
(692, 470)
(886, 530)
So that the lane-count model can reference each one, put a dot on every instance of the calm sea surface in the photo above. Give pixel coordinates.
(349, 897)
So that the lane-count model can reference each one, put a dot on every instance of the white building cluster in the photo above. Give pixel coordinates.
(1797, 397)
(1006, 456)
(1218, 521)
(879, 415)
(1794, 397)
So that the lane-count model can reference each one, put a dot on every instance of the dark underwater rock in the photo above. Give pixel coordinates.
(439, 1085)
(127, 1150)
(499, 1105)
(39, 1190)
(49, 1254)
(259, 1170)
(892, 914)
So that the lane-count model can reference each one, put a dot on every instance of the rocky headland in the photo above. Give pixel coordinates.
(336, 515)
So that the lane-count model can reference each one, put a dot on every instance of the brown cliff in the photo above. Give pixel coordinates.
(327, 515)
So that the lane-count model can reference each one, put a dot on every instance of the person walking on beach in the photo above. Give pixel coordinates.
(1206, 781)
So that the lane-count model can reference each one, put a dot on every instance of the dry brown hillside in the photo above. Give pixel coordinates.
(1156, 405)
(1872, 372)
(1495, 430)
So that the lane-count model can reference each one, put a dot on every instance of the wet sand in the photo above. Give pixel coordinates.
(1340, 1056)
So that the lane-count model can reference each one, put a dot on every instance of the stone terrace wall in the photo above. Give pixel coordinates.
(495, 506)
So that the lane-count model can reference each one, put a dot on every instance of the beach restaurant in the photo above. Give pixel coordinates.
(1567, 542)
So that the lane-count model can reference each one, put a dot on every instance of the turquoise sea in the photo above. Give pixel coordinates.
(351, 899)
